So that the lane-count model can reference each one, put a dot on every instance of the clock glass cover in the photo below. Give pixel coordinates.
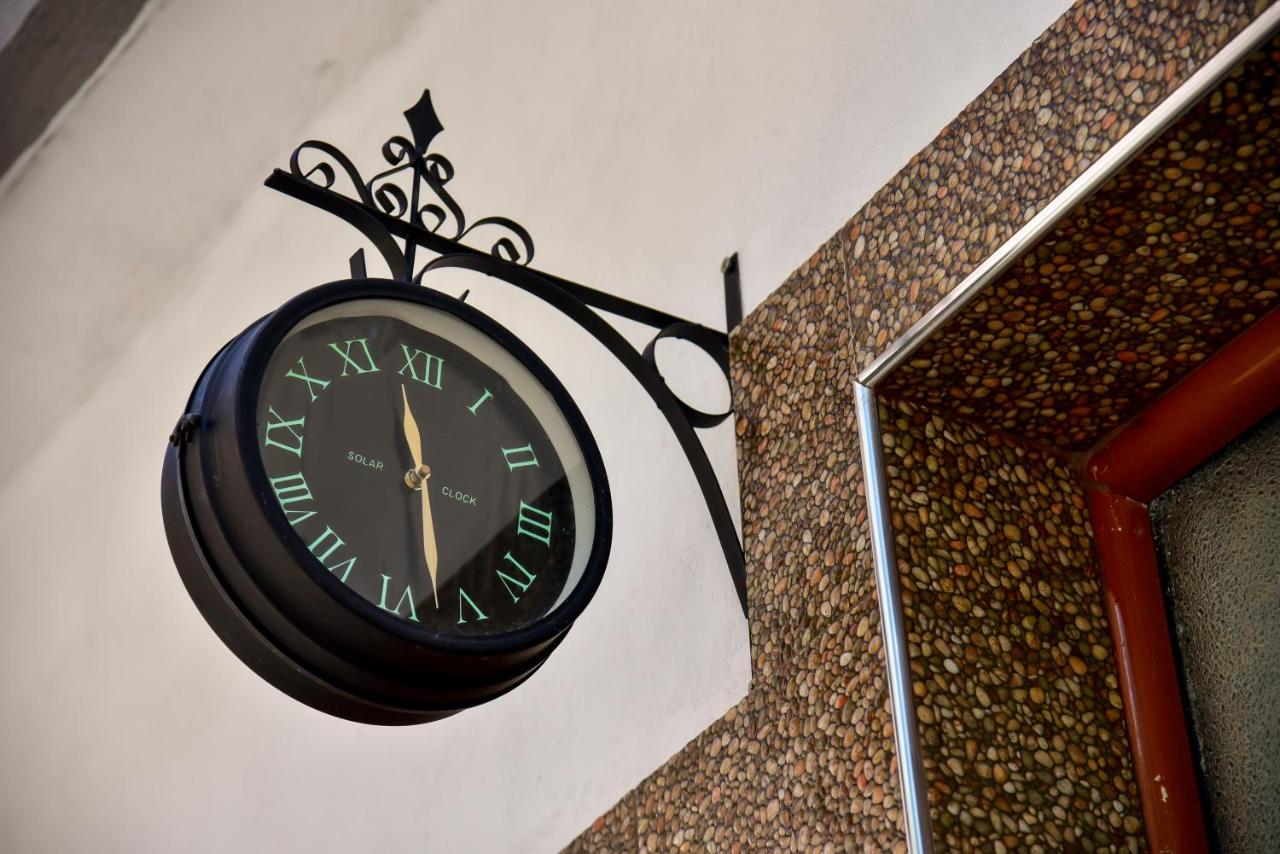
(425, 467)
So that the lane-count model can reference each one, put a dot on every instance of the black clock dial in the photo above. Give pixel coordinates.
(425, 467)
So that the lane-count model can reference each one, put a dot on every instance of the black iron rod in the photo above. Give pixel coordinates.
(326, 199)
(732, 293)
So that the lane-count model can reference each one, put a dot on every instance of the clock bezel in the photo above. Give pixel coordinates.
(271, 601)
(272, 334)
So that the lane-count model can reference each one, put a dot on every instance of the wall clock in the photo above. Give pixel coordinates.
(385, 504)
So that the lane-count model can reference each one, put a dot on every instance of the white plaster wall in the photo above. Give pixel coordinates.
(639, 143)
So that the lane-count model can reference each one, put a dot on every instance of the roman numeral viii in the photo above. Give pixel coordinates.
(284, 433)
(293, 489)
(534, 523)
(432, 366)
(362, 361)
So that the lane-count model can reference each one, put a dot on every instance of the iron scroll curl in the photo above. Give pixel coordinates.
(714, 344)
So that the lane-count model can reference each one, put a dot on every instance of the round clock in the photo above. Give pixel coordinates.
(385, 504)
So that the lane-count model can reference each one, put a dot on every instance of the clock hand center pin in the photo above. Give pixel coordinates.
(416, 478)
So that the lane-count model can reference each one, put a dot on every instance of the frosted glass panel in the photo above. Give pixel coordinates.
(1219, 535)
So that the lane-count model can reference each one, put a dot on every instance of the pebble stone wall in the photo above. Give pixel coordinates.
(1021, 720)
(805, 761)
(1172, 259)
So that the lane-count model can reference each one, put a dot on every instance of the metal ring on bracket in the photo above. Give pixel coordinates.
(714, 344)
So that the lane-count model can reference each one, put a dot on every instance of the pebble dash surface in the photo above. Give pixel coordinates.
(806, 760)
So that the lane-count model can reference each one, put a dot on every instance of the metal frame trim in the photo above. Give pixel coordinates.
(1125, 149)
(906, 736)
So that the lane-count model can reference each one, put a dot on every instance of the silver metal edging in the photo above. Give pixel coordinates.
(906, 735)
(1178, 102)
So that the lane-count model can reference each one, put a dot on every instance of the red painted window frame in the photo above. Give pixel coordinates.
(1199, 416)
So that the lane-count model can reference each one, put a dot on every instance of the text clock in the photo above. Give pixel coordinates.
(385, 504)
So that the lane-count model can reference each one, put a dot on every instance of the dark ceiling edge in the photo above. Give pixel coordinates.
(57, 48)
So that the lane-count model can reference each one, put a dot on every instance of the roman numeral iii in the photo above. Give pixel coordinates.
(432, 366)
(362, 361)
(284, 433)
(534, 523)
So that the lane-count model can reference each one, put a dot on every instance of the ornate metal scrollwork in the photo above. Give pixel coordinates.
(391, 205)
(413, 189)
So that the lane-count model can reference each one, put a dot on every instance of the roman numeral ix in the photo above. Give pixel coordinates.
(284, 433)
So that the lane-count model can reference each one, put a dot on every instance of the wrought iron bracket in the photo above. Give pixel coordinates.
(410, 202)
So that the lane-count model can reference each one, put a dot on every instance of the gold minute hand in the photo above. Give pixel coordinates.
(414, 440)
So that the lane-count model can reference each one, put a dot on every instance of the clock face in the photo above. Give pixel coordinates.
(425, 467)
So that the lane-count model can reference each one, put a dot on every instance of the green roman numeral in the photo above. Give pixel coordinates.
(463, 597)
(330, 542)
(278, 425)
(367, 367)
(300, 373)
(534, 523)
(473, 407)
(290, 489)
(405, 597)
(518, 458)
(508, 581)
(432, 366)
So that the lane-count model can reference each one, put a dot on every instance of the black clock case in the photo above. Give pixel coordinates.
(271, 601)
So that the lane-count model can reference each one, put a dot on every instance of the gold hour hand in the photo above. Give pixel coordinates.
(416, 479)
